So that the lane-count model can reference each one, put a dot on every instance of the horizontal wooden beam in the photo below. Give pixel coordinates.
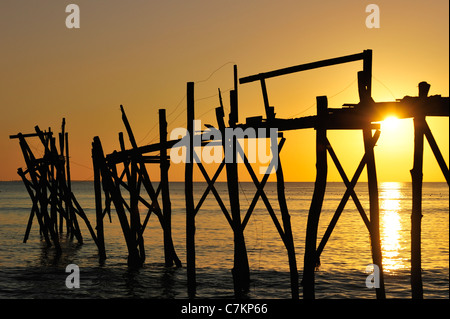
(304, 67)
(30, 135)
(410, 107)
(356, 116)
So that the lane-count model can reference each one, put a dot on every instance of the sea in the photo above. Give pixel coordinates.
(32, 270)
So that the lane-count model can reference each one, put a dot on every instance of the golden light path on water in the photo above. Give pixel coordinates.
(391, 226)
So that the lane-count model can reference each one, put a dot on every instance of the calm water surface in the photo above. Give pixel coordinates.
(31, 270)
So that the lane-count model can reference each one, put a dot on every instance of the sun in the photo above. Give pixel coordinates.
(391, 123)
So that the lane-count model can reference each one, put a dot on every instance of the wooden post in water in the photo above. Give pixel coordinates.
(61, 176)
(311, 261)
(289, 240)
(416, 215)
(189, 193)
(169, 249)
(98, 203)
(72, 217)
(365, 95)
(135, 219)
(241, 269)
(68, 200)
(374, 209)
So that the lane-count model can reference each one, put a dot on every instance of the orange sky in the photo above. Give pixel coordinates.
(142, 53)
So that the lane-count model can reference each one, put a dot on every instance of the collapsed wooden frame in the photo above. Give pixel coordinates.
(47, 181)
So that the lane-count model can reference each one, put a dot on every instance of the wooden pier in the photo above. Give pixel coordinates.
(111, 182)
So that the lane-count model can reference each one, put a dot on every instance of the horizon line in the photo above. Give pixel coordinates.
(249, 181)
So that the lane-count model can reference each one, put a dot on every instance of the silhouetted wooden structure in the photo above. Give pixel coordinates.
(361, 116)
(133, 176)
(47, 180)
(110, 183)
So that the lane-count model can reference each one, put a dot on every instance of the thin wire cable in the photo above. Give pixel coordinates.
(81, 165)
(210, 76)
(329, 97)
(37, 149)
(181, 101)
(196, 100)
(156, 124)
(178, 105)
(384, 86)
(91, 177)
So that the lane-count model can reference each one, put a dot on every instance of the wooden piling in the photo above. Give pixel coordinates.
(189, 193)
(72, 221)
(169, 249)
(416, 215)
(234, 113)
(135, 219)
(71, 199)
(50, 185)
(366, 102)
(310, 260)
(62, 183)
(67, 199)
(289, 239)
(98, 203)
(374, 209)
(241, 269)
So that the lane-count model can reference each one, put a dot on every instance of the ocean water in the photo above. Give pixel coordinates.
(31, 270)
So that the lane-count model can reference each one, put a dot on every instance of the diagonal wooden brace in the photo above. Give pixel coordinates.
(349, 192)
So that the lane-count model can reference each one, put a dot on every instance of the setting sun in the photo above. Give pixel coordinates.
(390, 123)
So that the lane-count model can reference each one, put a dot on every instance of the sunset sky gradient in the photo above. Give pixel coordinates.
(141, 54)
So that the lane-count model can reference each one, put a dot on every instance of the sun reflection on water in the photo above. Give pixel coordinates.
(391, 226)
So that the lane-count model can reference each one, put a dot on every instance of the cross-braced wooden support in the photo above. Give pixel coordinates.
(240, 271)
(357, 118)
(312, 255)
(231, 145)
